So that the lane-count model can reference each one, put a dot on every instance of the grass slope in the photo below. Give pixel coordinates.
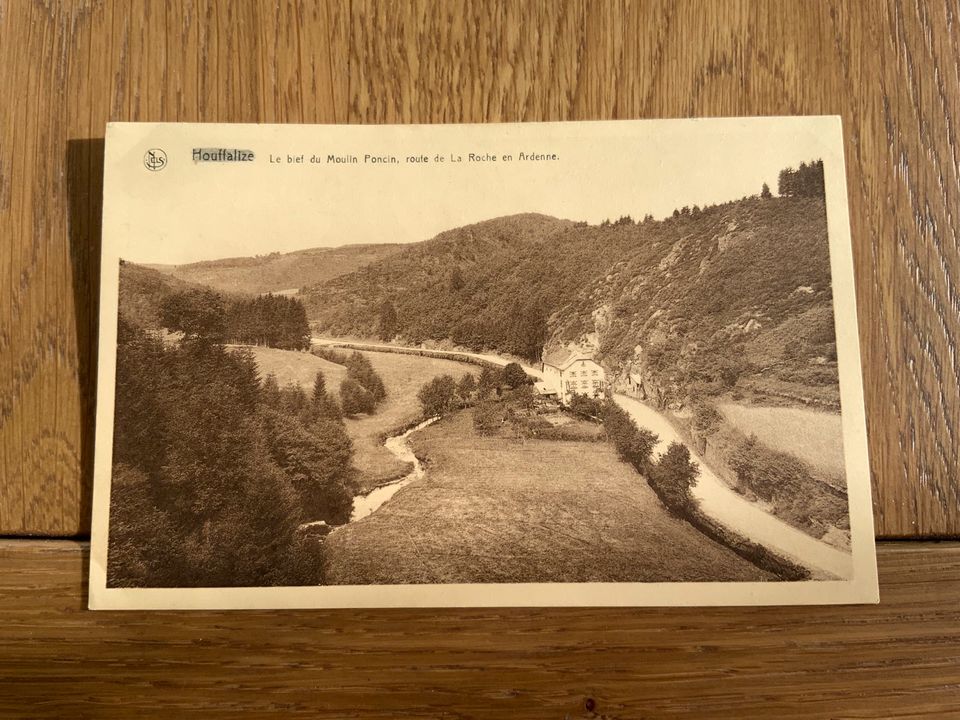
(278, 271)
(297, 367)
(497, 510)
(814, 436)
(403, 376)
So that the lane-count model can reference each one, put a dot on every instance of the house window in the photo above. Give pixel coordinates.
(571, 385)
(596, 384)
(594, 372)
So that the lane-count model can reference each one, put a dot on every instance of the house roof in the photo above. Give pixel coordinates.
(565, 357)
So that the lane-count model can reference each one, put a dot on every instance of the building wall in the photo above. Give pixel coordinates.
(585, 377)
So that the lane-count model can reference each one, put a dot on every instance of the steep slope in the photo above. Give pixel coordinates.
(450, 286)
(278, 271)
(738, 294)
(733, 295)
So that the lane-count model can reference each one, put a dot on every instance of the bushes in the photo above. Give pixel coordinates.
(766, 472)
(488, 417)
(790, 485)
(360, 369)
(513, 376)
(706, 419)
(354, 398)
(673, 477)
(361, 391)
(586, 406)
(330, 354)
(634, 445)
(438, 396)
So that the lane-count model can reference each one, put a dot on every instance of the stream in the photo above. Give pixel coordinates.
(363, 505)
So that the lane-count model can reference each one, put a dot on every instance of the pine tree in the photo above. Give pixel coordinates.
(389, 323)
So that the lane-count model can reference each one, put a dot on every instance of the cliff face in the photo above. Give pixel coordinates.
(738, 295)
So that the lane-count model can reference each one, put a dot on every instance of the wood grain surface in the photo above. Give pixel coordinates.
(890, 68)
(896, 660)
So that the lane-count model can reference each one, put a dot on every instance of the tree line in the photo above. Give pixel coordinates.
(805, 181)
(270, 320)
(215, 470)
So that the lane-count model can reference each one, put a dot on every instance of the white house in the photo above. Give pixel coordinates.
(567, 371)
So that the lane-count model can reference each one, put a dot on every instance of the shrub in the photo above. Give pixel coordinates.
(488, 383)
(586, 406)
(633, 444)
(330, 354)
(438, 396)
(673, 477)
(706, 419)
(513, 376)
(360, 369)
(466, 387)
(354, 398)
(768, 473)
(488, 417)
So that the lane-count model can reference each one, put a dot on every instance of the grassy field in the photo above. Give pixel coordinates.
(297, 367)
(813, 436)
(502, 510)
(403, 375)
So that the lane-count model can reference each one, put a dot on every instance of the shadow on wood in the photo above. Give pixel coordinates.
(85, 193)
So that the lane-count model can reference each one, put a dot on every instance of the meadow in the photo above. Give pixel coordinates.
(301, 368)
(495, 509)
(403, 376)
(814, 436)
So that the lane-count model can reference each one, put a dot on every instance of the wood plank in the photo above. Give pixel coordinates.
(895, 660)
(889, 69)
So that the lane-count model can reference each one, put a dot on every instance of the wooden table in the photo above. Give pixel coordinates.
(890, 68)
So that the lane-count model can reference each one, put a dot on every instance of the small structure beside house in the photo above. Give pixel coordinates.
(570, 371)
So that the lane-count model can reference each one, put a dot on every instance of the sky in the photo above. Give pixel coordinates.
(198, 211)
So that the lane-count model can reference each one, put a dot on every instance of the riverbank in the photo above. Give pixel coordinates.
(403, 375)
(366, 503)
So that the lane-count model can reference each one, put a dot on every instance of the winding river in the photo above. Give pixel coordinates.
(363, 505)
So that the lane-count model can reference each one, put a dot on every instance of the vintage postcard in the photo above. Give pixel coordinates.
(598, 363)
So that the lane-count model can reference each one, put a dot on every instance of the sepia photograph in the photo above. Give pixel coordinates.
(540, 364)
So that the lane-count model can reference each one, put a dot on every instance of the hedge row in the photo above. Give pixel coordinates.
(635, 446)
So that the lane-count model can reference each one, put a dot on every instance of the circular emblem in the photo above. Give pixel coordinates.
(155, 159)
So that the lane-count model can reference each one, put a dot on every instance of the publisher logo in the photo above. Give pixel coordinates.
(155, 159)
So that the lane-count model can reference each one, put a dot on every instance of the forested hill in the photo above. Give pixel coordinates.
(735, 294)
(143, 290)
(278, 271)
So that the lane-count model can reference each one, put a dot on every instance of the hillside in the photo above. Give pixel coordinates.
(278, 272)
(735, 297)
(142, 290)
